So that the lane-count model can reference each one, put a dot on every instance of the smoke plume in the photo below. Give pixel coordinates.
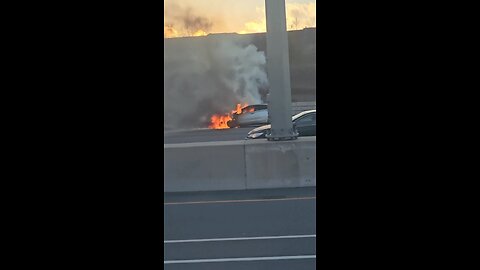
(206, 76)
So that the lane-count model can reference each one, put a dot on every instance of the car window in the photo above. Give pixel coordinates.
(248, 109)
(307, 120)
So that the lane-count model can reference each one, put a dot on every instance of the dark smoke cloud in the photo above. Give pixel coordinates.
(185, 21)
(206, 76)
(193, 23)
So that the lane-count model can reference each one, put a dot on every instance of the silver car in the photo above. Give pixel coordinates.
(305, 123)
(250, 115)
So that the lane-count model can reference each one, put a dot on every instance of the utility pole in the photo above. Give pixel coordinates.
(280, 96)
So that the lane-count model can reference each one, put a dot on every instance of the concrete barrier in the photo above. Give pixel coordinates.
(204, 166)
(239, 165)
(280, 164)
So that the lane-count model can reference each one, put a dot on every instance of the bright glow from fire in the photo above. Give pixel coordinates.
(218, 121)
(239, 108)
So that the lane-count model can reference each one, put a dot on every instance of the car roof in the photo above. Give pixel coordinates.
(255, 105)
(298, 115)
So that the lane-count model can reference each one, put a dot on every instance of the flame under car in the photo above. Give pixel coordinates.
(250, 116)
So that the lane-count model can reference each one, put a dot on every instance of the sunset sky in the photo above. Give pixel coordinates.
(201, 17)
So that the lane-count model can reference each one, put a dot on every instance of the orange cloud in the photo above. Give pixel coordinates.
(169, 31)
(254, 27)
(258, 25)
(298, 16)
(183, 21)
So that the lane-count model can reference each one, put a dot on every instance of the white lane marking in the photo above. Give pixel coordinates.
(240, 238)
(238, 201)
(244, 259)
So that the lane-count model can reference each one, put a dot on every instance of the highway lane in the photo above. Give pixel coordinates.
(205, 135)
(259, 229)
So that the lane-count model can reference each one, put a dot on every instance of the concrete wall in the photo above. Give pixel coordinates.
(298, 107)
(281, 164)
(204, 166)
(239, 165)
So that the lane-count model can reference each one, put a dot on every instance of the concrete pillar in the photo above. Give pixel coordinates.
(280, 96)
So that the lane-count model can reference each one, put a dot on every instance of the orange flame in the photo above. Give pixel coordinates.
(239, 108)
(218, 121)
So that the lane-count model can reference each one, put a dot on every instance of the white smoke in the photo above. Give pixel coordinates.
(208, 76)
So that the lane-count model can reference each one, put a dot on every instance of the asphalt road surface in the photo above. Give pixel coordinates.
(205, 135)
(236, 230)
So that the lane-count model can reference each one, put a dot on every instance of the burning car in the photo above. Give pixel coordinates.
(305, 123)
(249, 116)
